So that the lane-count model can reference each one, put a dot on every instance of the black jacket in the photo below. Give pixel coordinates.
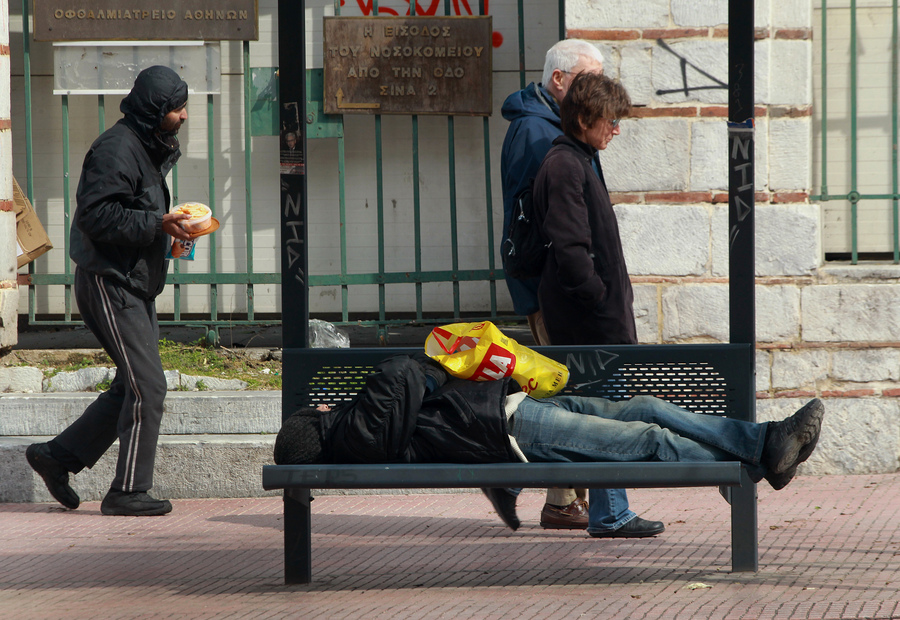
(392, 420)
(122, 194)
(585, 291)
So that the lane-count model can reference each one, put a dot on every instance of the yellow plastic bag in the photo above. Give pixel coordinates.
(481, 352)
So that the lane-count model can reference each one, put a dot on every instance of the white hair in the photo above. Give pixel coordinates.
(566, 54)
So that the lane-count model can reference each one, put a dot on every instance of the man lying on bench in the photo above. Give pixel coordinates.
(412, 411)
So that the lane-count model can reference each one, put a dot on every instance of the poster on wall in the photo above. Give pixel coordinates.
(160, 20)
(291, 158)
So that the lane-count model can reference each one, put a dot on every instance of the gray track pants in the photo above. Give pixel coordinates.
(132, 408)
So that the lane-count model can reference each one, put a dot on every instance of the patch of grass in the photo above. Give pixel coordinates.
(73, 362)
(86, 362)
(201, 359)
(196, 359)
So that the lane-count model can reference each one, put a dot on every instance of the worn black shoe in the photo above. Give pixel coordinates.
(779, 481)
(504, 503)
(137, 504)
(791, 441)
(636, 528)
(55, 476)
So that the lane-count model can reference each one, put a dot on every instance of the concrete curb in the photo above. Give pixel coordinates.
(186, 413)
(187, 466)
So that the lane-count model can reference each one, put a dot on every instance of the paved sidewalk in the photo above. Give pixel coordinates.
(829, 548)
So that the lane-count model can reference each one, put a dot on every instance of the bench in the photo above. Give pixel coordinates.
(714, 379)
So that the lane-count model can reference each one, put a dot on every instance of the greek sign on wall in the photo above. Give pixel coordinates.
(143, 20)
(412, 65)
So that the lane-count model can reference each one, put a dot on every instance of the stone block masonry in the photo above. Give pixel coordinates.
(831, 332)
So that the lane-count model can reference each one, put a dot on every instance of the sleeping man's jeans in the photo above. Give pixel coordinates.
(643, 428)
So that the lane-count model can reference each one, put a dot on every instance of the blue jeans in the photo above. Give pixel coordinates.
(643, 428)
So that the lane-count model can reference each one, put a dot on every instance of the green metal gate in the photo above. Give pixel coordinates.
(179, 279)
(475, 264)
(322, 126)
(856, 134)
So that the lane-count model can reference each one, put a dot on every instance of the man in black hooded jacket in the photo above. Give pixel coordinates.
(412, 411)
(121, 231)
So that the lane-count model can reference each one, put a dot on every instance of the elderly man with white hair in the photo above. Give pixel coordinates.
(533, 114)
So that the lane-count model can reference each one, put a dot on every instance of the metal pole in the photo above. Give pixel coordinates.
(213, 335)
(248, 177)
(294, 254)
(741, 171)
(854, 113)
(895, 130)
(741, 261)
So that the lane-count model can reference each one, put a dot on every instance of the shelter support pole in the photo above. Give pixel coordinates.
(741, 249)
(294, 230)
(294, 263)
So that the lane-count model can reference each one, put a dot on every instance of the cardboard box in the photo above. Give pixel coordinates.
(30, 234)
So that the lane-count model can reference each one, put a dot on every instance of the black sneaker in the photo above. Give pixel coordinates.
(779, 481)
(55, 476)
(791, 441)
(137, 504)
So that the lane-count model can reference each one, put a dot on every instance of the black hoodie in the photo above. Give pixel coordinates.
(122, 194)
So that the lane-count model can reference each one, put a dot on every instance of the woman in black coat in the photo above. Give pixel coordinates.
(585, 293)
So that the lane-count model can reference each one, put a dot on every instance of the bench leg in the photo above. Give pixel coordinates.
(297, 537)
(744, 527)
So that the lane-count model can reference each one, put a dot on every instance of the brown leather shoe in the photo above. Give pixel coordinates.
(571, 517)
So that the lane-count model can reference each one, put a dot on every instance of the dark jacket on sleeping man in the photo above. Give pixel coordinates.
(411, 411)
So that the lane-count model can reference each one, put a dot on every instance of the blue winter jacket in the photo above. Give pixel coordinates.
(534, 123)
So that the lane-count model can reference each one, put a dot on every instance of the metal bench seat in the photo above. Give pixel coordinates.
(710, 379)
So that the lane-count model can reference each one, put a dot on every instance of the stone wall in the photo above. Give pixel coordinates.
(827, 331)
(9, 294)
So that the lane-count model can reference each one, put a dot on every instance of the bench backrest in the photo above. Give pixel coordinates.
(716, 379)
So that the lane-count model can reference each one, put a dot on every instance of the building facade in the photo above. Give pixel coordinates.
(824, 328)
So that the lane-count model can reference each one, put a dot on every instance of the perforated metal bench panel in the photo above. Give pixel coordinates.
(708, 379)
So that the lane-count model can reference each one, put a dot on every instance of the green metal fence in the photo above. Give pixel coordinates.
(382, 278)
(319, 127)
(177, 279)
(842, 130)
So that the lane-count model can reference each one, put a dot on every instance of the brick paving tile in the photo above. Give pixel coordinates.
(829, 549)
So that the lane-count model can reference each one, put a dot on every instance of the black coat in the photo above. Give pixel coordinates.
(585, 291)
(122, 194)
(392, 420)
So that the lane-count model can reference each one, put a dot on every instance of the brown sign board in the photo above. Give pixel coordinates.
(408, 65)
(146, 20)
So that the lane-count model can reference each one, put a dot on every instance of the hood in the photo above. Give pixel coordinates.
(157, 91)
(533, 100)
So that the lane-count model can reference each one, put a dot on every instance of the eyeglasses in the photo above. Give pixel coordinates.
(614, 123)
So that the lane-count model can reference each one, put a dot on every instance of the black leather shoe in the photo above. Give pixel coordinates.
(55, 476)
(137, 504)
(636, 528)
(792, 439)
(504, 503)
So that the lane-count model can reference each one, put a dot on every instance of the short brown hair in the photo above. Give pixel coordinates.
(592, 96)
